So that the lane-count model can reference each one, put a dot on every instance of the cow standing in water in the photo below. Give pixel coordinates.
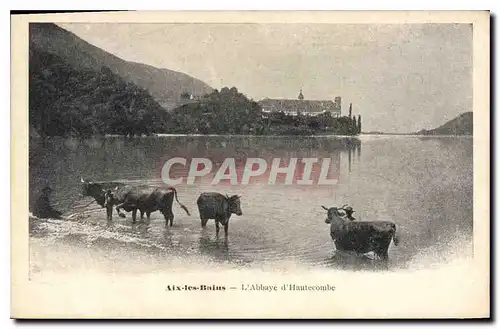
(147, 199)
(361, 237)
(98, 191)
(212, 205)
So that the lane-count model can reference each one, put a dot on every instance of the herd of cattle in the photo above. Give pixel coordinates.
(348, 234)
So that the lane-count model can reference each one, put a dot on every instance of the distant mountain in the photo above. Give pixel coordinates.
(164, 85)
(461, 125)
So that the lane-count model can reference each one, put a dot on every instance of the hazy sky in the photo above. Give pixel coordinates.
(398, 77)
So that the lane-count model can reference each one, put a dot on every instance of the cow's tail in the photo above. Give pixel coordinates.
(395, 236)
(180, 204)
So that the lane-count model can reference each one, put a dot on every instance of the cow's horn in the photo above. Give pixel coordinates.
(81, 179)
(324, 207)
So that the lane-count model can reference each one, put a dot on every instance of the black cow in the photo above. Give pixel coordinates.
(98, 191)
(212, 205)
(146, 199)
(360, 236)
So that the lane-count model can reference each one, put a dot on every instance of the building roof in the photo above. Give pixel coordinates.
(298, 105)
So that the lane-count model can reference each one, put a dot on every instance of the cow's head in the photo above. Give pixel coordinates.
(234, 204)
(86, 187)
(332, 213)
(94, 190)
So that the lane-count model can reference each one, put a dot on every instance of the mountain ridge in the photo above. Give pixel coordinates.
(65, 100)
(165, 85)
(460, 125)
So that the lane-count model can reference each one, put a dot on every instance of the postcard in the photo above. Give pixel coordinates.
(251, 165)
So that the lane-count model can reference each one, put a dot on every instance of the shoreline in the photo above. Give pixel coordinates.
(360, 136)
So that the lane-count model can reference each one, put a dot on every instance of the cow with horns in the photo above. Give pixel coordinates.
(360, 237)
(212, 205)
(143, 198)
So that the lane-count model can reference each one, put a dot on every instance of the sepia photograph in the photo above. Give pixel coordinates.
(250, 165)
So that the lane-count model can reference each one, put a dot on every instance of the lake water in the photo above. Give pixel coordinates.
(424, 185)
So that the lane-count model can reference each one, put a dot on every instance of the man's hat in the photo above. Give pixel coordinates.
(47, 189)
(349, 209)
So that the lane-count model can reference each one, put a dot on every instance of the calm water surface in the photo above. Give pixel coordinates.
(423, 184)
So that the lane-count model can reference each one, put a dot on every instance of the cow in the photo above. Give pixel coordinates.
(360, 237)
(147, 199)
(98, 190)
(213, 205)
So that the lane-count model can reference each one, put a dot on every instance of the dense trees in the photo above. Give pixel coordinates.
(224, 112)
(185, 95)
(68, 101)
(279, 123)
(64, 100)
(229, 112)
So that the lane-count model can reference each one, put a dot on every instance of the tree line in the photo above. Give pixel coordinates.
(69, 101)
(230, 112)
(221, 112)
(322, 123)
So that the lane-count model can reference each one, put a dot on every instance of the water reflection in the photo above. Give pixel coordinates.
(352, 262)
(60, 163)
(141, 227)
(425, 187)
(270, 149)
(214, 246)
(167, 237)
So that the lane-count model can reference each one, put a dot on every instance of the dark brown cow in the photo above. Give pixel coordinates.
(147, 199)
(212, 205)
(360, 236)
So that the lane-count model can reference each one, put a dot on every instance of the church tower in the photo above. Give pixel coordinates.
(301, 96)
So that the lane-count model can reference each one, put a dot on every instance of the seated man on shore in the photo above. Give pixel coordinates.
(43, 208)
